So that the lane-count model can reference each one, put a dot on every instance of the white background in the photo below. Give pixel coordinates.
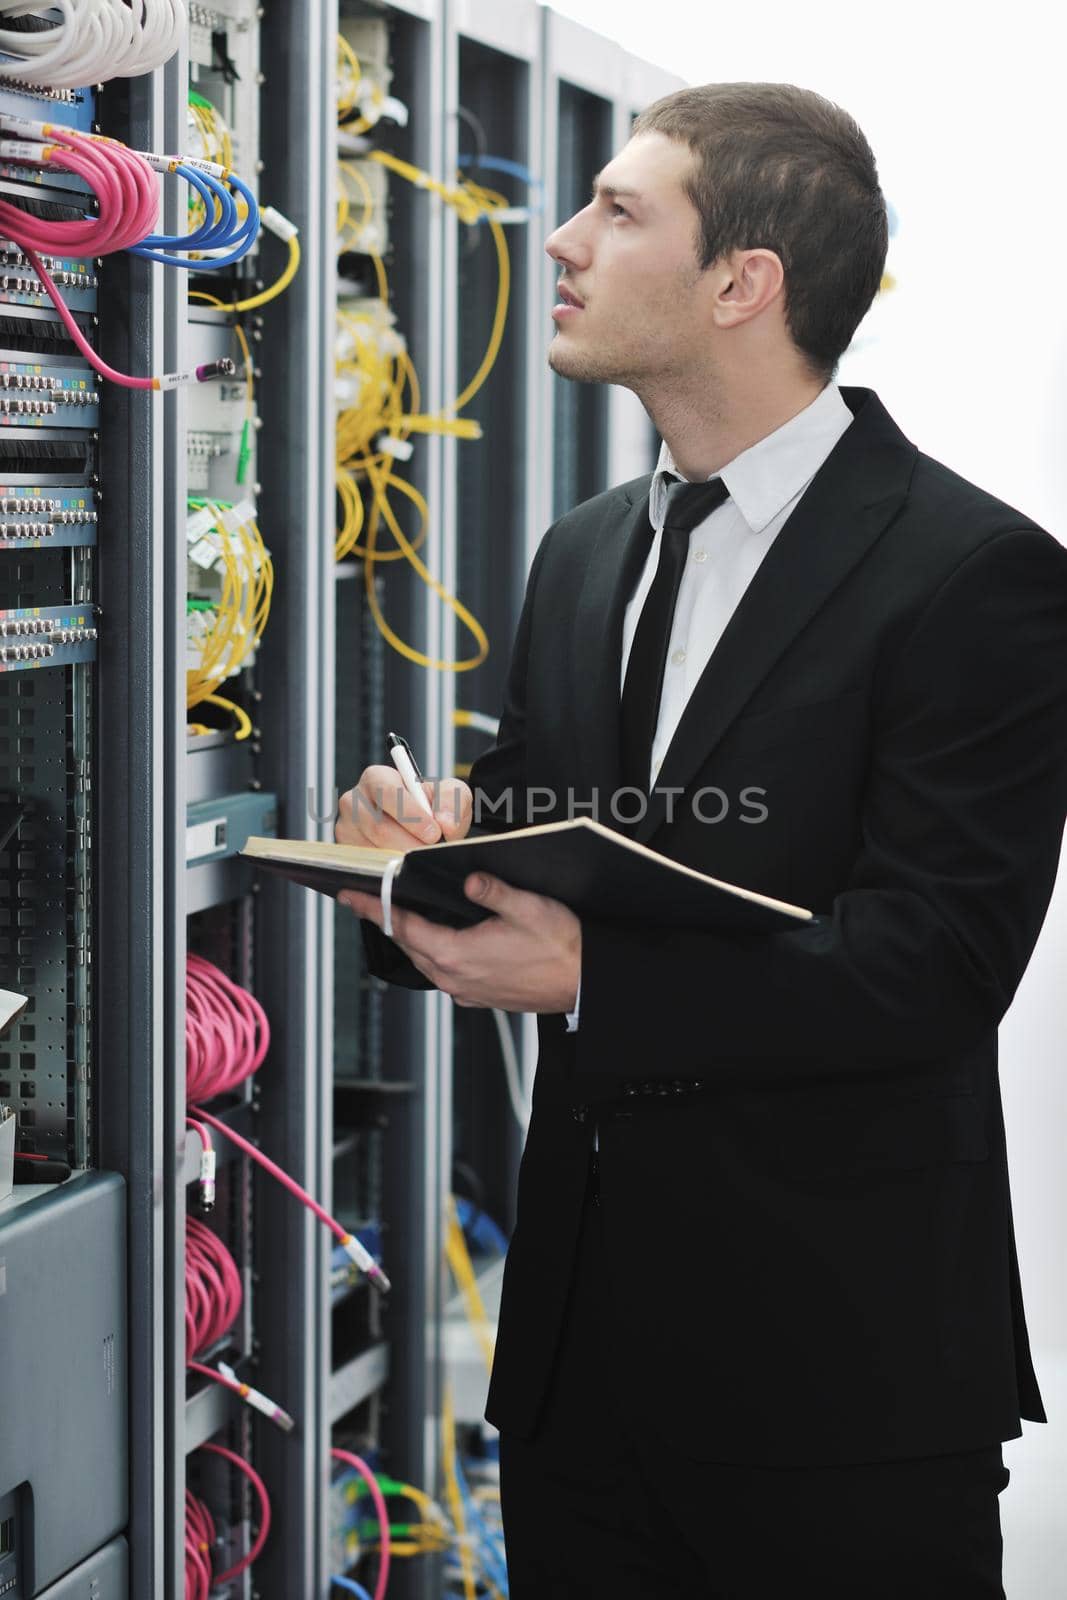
(963, 106)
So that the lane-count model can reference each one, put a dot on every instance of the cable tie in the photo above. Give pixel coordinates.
(399, 449)
(278, 224)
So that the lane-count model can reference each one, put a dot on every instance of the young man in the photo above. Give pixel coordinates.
(762, 1333)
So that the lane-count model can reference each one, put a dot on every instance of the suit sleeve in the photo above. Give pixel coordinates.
(919, 955)
(498, 779)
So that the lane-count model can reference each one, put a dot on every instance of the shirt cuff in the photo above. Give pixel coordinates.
(572, 1016)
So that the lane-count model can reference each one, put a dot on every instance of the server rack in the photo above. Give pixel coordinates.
(490, 494)
(593, 91)
(384, 1134)
(366, 1094)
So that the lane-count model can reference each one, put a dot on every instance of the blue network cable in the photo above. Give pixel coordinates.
(490, 1543)
(480, 1227)
(350, 1585)
(221, 229)
(514, 169)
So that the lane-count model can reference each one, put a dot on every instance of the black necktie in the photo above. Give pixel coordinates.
(687, 505)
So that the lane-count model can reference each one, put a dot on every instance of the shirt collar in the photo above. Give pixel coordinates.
(763, 479)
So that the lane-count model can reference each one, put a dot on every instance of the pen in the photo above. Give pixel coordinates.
(400, 754)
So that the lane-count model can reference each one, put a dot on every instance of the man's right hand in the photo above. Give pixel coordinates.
(380, 812)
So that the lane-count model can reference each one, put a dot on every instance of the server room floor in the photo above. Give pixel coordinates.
(1035, 1529)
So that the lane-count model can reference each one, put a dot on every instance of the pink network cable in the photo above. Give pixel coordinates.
(200, 1581)
(360, 1466)
(213, 1301)
(212, 1289)
(227, 1033)
(353, 1248)
(226, 1039)
(127, 196)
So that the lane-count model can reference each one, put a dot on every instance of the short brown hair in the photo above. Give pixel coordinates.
(781, 168)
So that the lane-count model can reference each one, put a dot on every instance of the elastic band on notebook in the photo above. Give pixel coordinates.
(391, 869)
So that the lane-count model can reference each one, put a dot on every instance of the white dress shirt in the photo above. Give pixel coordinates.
(765, 482)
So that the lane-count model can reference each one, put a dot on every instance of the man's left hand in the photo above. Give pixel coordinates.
(526, 957)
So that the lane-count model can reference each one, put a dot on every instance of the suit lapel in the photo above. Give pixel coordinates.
(848, 505)
(611, 573)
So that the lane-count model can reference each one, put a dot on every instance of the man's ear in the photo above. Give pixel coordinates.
(748, 281)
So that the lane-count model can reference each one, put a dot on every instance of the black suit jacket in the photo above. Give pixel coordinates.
(814, 1260)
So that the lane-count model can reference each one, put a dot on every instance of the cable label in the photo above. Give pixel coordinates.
(199, 523)
(279, 225)
(20, 150)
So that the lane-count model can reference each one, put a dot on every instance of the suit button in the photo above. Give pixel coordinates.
(579, 1113)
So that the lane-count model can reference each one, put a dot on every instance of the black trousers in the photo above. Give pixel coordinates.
(594, 1506)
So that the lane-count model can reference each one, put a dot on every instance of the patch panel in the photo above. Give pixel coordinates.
(222, 428)
(215, 829)
(46, 391)
(72, 108)
(20, 285)
(52, 181)
(35, 515)
(47, 636)
(224, 69)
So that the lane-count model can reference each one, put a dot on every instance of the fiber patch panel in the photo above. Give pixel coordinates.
(47, 636)
(46, 391)
(35, 515)
(71, 108)
(19, 284)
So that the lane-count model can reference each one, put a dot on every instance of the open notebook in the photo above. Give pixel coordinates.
(595, 871)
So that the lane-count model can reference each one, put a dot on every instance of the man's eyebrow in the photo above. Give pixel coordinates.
(612, 190)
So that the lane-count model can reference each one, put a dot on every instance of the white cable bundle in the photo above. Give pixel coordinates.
(92, 41)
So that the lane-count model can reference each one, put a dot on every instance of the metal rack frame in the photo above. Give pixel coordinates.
(143, 782)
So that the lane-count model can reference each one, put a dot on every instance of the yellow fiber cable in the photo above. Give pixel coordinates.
(459, 1260)
(381, 482)
(348, 96)
(240, 616)
(470, 202)
(496, 336)
(349, 170)
(379, 413)
(244, 721)
(455, 1496)
(349, 75)
(274, 289)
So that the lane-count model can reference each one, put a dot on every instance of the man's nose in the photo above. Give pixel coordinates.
(568, 245)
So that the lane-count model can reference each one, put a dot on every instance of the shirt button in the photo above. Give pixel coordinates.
(700, 555)
(678, 658)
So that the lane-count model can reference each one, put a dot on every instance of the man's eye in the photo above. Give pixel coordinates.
(617, 210)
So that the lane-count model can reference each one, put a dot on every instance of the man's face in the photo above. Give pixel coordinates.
(628, 310)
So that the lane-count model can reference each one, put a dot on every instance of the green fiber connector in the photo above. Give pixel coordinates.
(245, 452)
